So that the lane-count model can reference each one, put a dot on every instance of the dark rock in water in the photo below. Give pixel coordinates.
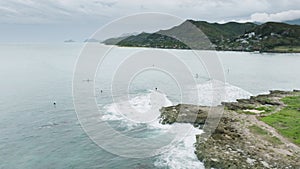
(184, 113)
(49, 125)
(237, 106)
(279, 92)
(243, 104)
(264, 100)
(69, 41)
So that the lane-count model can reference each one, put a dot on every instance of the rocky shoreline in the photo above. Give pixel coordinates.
(241, 139)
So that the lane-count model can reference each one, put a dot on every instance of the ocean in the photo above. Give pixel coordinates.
(34, 133)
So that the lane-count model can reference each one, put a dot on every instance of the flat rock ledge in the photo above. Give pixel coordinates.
(233, 144)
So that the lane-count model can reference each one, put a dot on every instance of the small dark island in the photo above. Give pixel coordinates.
(260, 132)
(69, 41)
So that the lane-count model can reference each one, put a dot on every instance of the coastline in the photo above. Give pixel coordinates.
(242, 138)
(217, 50)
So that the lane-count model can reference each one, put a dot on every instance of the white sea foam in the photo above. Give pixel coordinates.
(181, 154)
(139, 107)
(214, 92)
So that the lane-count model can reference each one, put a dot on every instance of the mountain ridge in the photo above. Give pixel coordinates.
(232, 36)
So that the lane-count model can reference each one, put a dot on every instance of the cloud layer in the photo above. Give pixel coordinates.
(277, 17)
(62, 11)
(58, 20)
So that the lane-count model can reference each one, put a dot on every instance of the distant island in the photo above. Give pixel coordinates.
(231, 36)
(91, 40)
(69, 41)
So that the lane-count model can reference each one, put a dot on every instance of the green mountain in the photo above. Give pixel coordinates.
(218, 32)
(114, 41)
(151, 40)
(267, 37)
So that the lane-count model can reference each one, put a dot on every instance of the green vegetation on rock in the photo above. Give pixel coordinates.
(266, 135)
(287, 120)
(266, 109)
(240, 140)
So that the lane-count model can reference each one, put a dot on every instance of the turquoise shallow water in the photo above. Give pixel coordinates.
(36, 134)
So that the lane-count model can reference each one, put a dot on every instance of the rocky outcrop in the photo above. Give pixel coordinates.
(184, 113)
(240, 140)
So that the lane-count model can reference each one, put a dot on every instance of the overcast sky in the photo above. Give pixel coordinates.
(58, 20)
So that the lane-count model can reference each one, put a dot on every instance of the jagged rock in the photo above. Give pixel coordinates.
(232, 145)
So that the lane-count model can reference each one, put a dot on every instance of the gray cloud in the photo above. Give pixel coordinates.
(280, 16)
(58, 20)
(57, 11)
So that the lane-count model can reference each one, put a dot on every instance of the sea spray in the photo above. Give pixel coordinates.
(180, 153)
(213, 92)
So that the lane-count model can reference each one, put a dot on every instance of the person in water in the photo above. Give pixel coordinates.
(156, 88)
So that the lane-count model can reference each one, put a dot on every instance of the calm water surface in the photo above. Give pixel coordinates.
(36, 134)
